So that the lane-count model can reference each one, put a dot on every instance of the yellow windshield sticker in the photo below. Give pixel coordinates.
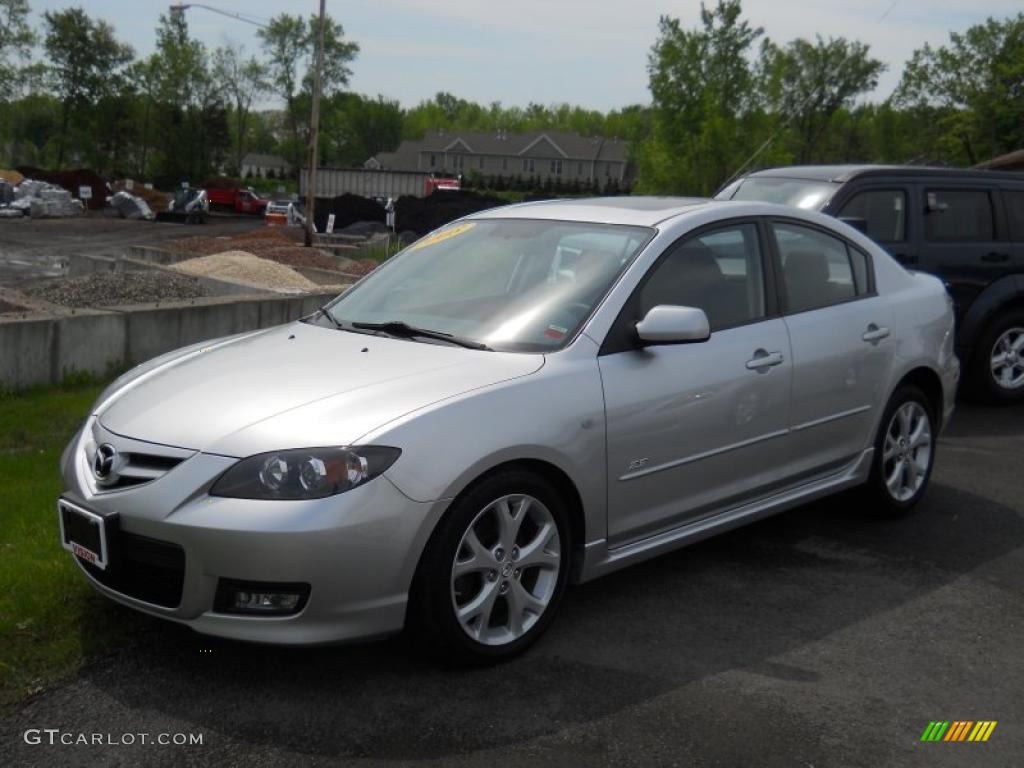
(440, 237)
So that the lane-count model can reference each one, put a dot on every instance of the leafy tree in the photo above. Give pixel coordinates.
(289, 42)
(86, 61)
(977, 83)
(244, 81)
(702, 90)
(16, 41)
(808, 83)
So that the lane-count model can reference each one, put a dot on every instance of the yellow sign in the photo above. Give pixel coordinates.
(442, 235)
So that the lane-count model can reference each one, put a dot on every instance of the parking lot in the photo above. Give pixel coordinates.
(816, 638)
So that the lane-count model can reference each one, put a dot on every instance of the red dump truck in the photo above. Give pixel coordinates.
(237, 199)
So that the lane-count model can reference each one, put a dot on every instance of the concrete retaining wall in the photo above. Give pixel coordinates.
(46, 347)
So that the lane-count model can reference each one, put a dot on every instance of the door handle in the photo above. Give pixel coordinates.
(763, 360)
(875, 333)
(995, 257)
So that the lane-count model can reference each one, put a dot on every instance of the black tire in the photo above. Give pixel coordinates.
(880, 501)
(983, 383)
(432, 623)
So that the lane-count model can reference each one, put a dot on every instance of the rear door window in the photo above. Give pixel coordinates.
(958, 215)
(818, 270)
(883, 210)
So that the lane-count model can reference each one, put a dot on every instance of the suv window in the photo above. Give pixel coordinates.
(1015, 208)
(958, 215)
(719, 272)
(817, 269)
(884, 211)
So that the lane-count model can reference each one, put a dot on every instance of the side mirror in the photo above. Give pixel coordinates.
(667, 324)
(858, 223)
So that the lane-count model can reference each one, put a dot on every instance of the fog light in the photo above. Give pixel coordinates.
(260, 598)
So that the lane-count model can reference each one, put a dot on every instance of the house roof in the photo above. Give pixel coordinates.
(254, 158)
(570, 146)
(1012, 161)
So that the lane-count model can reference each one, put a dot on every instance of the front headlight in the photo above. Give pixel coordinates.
(309, 473)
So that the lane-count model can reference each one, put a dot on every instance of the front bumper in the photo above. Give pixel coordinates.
(358, 551)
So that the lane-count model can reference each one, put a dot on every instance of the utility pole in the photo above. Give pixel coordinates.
(314, 128)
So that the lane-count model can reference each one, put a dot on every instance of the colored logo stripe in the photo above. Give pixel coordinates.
(958, 730)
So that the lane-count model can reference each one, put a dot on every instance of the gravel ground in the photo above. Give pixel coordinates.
(116, 288)
(242, 267)
(820, 637)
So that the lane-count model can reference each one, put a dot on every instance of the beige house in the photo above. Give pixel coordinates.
(254, 164)
(542, 154)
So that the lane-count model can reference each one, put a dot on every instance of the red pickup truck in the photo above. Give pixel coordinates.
(238, 199)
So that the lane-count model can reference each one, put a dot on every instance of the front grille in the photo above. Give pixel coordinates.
(133, 462)
(143, 568)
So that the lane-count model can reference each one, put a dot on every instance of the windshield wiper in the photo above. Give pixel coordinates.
(404, 330)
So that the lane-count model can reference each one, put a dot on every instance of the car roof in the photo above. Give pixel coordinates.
(628, 209)
(841, 173)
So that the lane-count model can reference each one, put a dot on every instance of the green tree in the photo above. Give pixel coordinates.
(289, 43)
(244, 81)
(85, 63)
(16, 41)
(702, 89)
(977, 84)
(806, 84)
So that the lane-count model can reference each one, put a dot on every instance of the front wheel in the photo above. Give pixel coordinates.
(494, 571)
(904, 453)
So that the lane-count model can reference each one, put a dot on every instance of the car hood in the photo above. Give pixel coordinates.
(295, 386)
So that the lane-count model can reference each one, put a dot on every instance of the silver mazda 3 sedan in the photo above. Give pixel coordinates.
(531, 396)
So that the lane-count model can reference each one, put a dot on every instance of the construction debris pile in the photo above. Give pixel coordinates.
(76, 181)
(131, 207)
(38, 199)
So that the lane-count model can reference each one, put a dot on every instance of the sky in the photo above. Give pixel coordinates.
(587, 52)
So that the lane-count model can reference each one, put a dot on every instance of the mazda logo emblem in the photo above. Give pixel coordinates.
(103, 464)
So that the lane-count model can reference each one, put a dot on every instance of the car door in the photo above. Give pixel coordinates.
(964, 241)
(693, 428)
(842, 344)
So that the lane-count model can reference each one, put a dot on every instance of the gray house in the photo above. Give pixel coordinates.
(543, 154)
(254, 164)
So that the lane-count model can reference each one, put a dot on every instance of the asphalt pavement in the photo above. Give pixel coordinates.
(820, 637)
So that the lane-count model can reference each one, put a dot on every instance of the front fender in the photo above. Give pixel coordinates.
(995, 296)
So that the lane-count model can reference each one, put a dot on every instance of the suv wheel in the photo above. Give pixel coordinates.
(998, 374)
(494, 571)
(904, 453)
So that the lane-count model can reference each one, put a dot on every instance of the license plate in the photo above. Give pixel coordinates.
(84, 534)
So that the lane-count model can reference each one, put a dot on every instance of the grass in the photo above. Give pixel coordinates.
(50, 619)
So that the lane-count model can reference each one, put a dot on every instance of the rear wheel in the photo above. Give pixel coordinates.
(904, 453)
(998, 365)
(494, 571)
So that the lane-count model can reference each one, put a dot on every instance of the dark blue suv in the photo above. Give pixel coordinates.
(965, 226)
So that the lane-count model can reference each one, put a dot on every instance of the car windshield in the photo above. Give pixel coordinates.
(510, 284)
(800, 193)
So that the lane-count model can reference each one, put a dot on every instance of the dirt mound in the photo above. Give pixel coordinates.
(423, 214)
(347, 209)
(11, 177)
(247, 269)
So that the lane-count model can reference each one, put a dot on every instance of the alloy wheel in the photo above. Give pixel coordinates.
(907, 452)
(1007, 359)
(505, 570)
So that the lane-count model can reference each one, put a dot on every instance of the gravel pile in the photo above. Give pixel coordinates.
(115, 288)
(245, 268)
(268, 243)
